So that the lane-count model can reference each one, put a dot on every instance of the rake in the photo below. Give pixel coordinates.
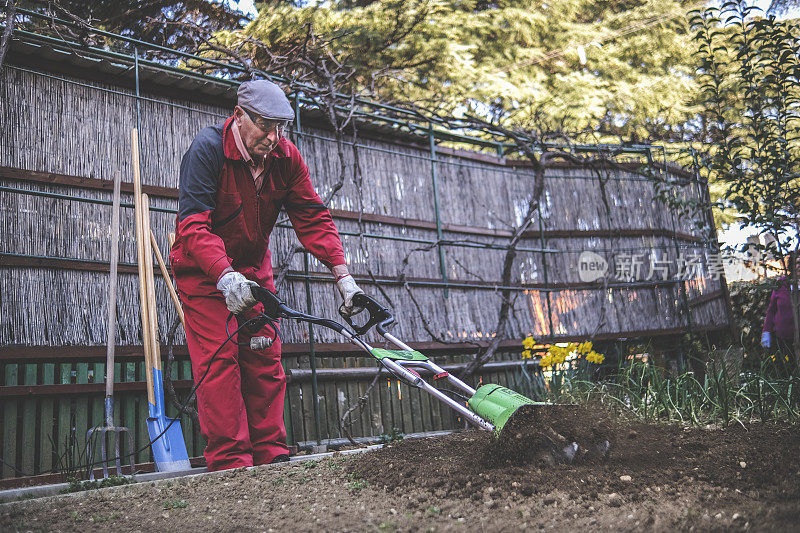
(109, 429)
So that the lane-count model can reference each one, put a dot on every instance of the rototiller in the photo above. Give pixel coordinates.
(490, 407)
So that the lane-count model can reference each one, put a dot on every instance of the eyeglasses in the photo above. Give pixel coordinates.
(267, 125)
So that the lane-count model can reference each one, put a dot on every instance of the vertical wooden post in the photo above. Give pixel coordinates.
(140, 251)
(312, 355)
(112, 303)
(442, 265)
(155, 348)
(542, 242)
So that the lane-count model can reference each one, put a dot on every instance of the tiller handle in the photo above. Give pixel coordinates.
(378, 315)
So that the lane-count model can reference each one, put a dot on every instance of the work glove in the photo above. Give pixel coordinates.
(347, 288)
(237, 291)
(766, 339)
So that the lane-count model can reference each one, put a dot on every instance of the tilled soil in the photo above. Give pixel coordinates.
(655, 477)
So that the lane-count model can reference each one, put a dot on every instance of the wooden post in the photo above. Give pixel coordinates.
(155, 349)
(112, 295)
(435, 185)
(140, 251)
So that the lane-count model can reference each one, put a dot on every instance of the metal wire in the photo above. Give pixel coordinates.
(460, 244)
(378, 281)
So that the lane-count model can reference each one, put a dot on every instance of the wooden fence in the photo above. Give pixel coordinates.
(65, 129)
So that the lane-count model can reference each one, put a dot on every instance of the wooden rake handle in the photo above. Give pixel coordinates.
(168, 279)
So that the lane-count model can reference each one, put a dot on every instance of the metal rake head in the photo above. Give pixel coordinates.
(102, 433)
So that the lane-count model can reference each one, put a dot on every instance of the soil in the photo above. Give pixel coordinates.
(654, 477)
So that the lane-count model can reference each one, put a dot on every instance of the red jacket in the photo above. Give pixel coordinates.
(224, 222)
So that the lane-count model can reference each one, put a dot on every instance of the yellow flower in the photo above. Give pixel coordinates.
(546, 361)
(584, 347)
(528, 343)
(594, 357)
(526, 354)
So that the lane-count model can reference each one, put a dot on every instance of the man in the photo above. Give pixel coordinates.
(234, 179)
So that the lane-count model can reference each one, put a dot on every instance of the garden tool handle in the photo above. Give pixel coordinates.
(378, 315)
(274, 308)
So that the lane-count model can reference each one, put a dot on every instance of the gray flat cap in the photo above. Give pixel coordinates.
(266, 99)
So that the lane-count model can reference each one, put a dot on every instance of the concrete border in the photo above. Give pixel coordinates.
(27, 494)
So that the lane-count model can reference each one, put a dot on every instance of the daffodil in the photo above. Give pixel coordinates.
(594, 357)
(584, 347)
(546, 361)
(528, 343)
(526, 354)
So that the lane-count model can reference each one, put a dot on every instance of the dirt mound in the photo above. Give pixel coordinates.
(657, 478)
(552, 434)
(641, 457)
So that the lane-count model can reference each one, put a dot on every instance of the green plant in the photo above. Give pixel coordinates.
(76, 485)
(750, 91)
(393, 435)
(176, 504)
(357, 482)
(649, 392)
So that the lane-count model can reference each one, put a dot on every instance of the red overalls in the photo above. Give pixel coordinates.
(224, 222)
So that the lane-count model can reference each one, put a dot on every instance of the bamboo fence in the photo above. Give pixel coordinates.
(62, 138)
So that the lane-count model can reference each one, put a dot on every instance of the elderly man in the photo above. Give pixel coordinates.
(234, 180)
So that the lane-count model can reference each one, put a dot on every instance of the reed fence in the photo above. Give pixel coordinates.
(423, 222)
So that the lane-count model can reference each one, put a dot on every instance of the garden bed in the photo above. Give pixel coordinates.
(656, 477)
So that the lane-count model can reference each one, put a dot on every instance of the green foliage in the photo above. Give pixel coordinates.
(176, 504)
(308, 465)
(750, 88)
(76, 485)
(178, 24)
(393, 435)
(651, 393)
(749, 301)
(357, 482)
(596, 69)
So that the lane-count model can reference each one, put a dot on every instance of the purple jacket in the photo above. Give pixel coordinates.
(779, 319)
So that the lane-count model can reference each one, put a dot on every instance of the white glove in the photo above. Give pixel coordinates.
(766, 339)
(348, 288)
(237, 291)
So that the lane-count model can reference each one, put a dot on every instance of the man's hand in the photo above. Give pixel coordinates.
(348, 288)
(237, 291)
(766, 339)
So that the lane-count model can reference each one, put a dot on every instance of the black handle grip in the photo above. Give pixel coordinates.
(378, 315)
(272, 304)
(275, 308)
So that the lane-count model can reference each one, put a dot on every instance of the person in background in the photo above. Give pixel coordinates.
(778, 331)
